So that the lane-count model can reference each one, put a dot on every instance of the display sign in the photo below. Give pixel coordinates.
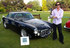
(24, 40)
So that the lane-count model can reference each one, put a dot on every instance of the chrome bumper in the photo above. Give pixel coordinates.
(66, 27)
(45, 33)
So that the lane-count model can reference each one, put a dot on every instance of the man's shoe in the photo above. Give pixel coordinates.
(62, 42)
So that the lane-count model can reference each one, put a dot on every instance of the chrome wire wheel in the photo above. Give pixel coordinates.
(5, 25)
(23, 32)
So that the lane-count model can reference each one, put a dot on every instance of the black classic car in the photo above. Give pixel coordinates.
(28, 25)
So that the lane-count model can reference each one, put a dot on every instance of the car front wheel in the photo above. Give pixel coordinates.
(24, 33)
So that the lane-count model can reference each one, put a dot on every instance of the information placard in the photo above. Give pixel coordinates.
(24, 40)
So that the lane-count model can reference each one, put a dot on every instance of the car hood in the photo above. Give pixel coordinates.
(38, 23)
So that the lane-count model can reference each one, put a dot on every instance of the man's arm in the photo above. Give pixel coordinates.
(60, 16)
(52, 16)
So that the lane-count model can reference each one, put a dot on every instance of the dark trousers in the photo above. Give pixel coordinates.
(59, 26)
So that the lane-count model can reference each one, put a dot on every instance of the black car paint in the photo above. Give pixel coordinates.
(29, 27)
(20, 25)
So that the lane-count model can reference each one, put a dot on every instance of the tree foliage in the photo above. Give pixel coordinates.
(44, 7)
(65, 4)
(12, 5)
(50, 4)
(34, 5)
(2, 9)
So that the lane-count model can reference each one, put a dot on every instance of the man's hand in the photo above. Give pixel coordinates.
(54, 17)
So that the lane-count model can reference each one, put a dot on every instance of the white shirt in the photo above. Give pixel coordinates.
(58, 14)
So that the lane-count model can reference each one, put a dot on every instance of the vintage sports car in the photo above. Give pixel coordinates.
(67, 26)
(27, 24)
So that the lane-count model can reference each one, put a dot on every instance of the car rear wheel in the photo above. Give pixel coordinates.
(5, 25)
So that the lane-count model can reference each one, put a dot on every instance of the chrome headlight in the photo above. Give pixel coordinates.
(35, 31)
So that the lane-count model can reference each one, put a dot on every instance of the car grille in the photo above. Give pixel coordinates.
(45, 32)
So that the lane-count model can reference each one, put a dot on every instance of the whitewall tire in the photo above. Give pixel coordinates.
(5, 25)
(23, 32)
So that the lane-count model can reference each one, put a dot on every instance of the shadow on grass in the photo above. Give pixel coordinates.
(14, 29)
(67, 30)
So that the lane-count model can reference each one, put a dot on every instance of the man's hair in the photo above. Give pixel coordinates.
(57, 3)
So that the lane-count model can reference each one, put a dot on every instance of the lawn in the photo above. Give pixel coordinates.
(9, 39)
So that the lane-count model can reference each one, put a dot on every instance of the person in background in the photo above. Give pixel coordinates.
(57, 15)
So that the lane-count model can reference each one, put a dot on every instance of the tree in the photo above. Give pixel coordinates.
(34, 5)
(2, 9)
(65, 4)
(13, 5)
(44, 7)
(29, 6)
(50, 4)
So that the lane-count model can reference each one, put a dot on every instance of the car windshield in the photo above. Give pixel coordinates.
(24, 16)
(27, 15)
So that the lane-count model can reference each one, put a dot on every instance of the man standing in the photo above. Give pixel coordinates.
(57, 15)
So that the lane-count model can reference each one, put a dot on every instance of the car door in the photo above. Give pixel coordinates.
(16, 19)
(10, 19)
(13, 20)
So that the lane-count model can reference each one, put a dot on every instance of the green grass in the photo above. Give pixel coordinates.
(9, 39)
